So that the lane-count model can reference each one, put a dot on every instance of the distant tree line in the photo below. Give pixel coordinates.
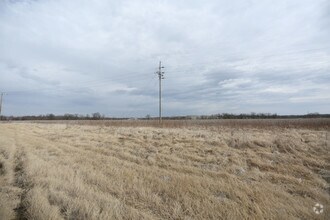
(252, 115)
(98, 116)
(93, 116)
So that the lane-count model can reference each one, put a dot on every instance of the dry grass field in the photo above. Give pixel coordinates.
(72, 171)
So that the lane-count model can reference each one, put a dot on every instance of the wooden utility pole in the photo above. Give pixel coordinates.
(1, 97)
(160, 77)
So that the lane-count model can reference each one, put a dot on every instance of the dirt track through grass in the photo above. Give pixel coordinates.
(94, 172)
(10, 192)
(20, 181)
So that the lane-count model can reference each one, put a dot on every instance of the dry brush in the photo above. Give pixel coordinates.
(69, 171)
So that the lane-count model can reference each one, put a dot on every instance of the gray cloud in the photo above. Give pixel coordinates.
(86, 56)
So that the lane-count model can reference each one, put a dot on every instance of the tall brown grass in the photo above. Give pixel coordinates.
(308, 123)
(125, 171)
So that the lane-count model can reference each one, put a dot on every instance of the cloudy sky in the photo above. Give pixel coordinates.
(239, 56)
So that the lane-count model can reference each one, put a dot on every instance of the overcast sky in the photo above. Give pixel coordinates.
(238, 56)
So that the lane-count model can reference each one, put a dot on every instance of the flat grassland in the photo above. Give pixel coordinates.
(72, 171)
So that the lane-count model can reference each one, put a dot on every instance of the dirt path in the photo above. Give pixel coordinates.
(20, 182)
(12, 177)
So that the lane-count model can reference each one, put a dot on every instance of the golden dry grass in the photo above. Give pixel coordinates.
(65, 171)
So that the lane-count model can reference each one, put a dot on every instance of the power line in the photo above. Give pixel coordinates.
(216, 60)
(128, 76)
(183, 68)
(185, 54)
(88, 84)
(122, 79)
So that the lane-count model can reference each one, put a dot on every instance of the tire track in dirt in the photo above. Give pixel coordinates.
(9, 193)
(20, 181)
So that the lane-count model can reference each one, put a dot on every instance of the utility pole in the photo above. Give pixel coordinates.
(1, 97)
(160, 76)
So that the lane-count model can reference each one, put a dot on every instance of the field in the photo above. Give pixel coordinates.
(136, 170)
